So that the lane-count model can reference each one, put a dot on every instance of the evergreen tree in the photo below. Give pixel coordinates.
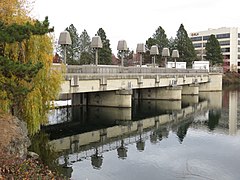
(128, 55)
(213, 51)
(172, 46)
(159, 38)
(86, 54)
(184, 46)
(105, 53)
(147, 57)
(73, 52)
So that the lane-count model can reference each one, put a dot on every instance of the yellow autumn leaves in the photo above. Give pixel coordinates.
(39, 48)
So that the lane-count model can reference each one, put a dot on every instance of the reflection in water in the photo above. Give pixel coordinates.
(96, 160)
(233, 112)
(122, 151)
(93, 133)
(213, 119)
(182, 130)
(40, 145)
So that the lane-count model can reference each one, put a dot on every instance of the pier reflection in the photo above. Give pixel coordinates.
(87, 133)
(100, 132)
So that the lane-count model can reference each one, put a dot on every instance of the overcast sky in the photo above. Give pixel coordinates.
(136, 20)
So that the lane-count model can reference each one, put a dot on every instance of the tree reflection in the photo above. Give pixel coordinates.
(158, 134)
(40, 145)
(154, 137)
(213, 119)
(182, 130)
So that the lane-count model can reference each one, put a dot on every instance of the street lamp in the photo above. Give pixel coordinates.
(122, 47)
(165, 54)
(65, 40)
(96, 44)
(154, 51)
(140, 50)
(175, 55)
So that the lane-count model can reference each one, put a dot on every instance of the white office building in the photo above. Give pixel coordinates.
(229, 39)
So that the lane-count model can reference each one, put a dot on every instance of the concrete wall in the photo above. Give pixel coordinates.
(192, 89)
(120, 98)
(214, 83)
(79, 83)
(169, 93)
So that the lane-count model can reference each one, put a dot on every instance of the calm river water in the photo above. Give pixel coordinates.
(195, 138)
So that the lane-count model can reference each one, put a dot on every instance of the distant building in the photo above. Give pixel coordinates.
(229, 39)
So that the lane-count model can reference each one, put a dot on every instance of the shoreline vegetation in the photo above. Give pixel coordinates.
(231, 78)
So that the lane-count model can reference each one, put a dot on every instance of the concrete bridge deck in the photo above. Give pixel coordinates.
(115, 86)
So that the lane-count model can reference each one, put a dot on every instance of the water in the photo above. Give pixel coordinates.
(196, 138)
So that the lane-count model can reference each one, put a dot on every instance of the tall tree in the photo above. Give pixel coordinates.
(105, 53)
(172, 45)
(184, 46)
(73, 52)
(86, 55)
(213, 51)
(159, 38)
(27, 82)
(128, 55)
(147, 57)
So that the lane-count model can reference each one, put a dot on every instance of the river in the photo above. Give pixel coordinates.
(195, 138)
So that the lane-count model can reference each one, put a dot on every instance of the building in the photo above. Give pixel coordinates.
(229, 39)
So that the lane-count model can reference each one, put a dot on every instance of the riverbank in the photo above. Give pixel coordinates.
(15, 163)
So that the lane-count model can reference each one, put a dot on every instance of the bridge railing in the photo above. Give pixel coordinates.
(105, 69)
(216, 69)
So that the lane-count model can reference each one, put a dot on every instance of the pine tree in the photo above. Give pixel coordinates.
(159, 38)
(128, 55)
(73, 51)
(86, 54)
(105, 53)
(213, 51)
(184, 46)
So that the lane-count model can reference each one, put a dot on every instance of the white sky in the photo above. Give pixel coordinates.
(136, 20)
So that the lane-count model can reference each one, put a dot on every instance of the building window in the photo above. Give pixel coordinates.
(226, 49)
(238, 56)
(205, 38)
(223, 36)
(238, 35)
(238, 49)
(224, 43)
(226, 56)
(199, 38)
(197, 45)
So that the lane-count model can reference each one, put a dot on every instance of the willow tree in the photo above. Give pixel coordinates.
(27, 82)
